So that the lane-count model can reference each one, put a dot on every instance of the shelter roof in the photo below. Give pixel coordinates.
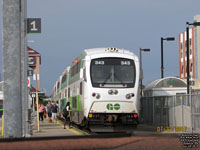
(168, 82)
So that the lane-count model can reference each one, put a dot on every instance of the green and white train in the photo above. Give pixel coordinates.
(102, 86)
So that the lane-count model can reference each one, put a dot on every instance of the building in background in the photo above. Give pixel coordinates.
(34, 60)
(194, 54)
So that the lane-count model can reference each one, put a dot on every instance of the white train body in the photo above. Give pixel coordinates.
(104, 91)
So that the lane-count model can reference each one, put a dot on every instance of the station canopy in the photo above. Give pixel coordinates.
(168, 82)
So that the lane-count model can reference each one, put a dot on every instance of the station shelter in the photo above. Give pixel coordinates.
(166, 87)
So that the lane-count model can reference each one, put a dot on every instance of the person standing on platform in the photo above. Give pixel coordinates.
(41, 111)
(66, 115)
(49, 111)
(54, 112)
(57, 104)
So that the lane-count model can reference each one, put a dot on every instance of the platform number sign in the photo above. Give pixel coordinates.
(34, 25)
(30, 73)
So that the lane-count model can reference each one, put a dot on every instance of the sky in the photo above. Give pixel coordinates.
(70, 26)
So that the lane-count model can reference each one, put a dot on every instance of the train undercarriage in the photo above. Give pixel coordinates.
(101, 122)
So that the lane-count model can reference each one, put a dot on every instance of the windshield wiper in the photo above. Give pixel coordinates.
(106, 79)
(119, 79)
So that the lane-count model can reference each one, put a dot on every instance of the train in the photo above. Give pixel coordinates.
(102, 86)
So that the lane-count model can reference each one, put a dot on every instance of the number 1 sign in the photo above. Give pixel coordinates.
(34, 25)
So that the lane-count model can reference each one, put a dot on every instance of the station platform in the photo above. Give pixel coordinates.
(55, 129)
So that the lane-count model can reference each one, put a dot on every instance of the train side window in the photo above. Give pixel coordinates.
(65, 93)
(74, 102)
(84, 74)
(72, 71)
(79, 64)
(75, 69)
(68, 92)
(80, 89)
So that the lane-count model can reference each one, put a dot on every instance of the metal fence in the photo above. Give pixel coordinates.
(179, 110)
(1, 110)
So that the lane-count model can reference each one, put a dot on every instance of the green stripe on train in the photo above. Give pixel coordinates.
(1, 109)
(75, 103)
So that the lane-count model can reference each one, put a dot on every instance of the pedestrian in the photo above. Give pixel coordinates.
(45, 113)
(57, 104)
(41, 111)
(54, 112)
(49, 111)
(66, 115)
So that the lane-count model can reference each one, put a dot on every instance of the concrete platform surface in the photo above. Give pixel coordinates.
(55, 129)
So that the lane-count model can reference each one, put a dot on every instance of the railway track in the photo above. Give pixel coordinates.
(85, 131)
(79, 128)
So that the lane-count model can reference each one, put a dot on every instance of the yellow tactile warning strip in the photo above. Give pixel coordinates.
(73, 130)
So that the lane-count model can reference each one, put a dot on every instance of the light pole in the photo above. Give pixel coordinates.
(188, 58)
(141, 72)
(162, 65)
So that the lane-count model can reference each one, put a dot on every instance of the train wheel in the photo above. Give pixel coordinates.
(85, 123)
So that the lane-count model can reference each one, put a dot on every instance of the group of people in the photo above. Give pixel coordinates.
(51, 111)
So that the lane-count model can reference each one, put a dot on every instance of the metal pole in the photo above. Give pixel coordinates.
(37, 103)
(191, 115)
(188, 59)
(12, 68)
(33, 104)
(2, 130)
(174, 103)
(153, 111)
(24, 64)
(162, 66)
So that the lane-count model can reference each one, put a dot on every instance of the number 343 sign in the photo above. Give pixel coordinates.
(34, 25)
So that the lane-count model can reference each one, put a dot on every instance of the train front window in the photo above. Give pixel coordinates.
(113, 72)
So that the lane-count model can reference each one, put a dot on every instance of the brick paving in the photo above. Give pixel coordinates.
(53, 137)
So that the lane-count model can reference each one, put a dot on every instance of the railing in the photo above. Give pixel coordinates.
(1, 112)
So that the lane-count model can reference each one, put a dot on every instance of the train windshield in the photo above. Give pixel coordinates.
(113, 72)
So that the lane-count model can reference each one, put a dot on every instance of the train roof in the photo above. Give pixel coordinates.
(110, 49)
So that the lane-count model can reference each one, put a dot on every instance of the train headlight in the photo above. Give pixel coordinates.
(128, 96)
(97, 96)
(110, 92)
(112, 49)
(115, 92)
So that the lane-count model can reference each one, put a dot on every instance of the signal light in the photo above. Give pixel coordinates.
(75, 60)
(90, 116)
(132, 94)
(135, 116)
